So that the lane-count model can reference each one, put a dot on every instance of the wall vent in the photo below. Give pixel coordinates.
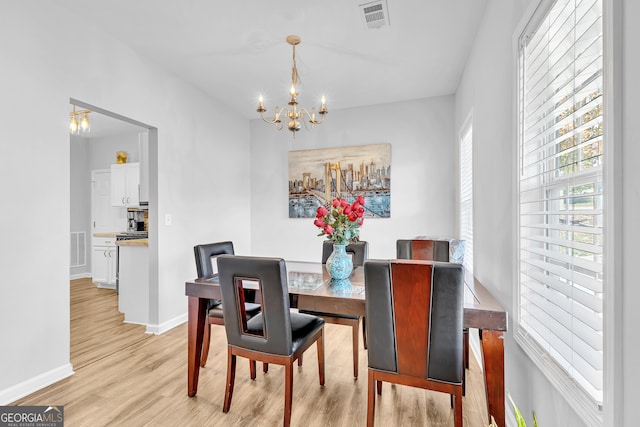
(78, 249)
(375, 14)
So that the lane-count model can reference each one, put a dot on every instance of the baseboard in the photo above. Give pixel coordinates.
(166, 326)
(34, 384)
(85, 275)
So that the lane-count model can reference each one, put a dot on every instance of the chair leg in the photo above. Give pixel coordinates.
(356, 334)
(457, 410)
(379, 387)
(300, 360)
(371, 399)
(466, 347)
(252, 369)
(231, 377)
(364, 332)
(206, 340)
(464, 382)
(288, 392)
(320, 348)
(465, 356)
(265, 367)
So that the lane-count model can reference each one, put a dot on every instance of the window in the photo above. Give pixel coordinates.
(466, 193)
(561, 198)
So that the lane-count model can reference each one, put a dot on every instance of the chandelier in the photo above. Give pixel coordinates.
(292, 112)
(75, 126)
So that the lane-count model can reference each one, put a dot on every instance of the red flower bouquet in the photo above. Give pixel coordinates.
(341, 223)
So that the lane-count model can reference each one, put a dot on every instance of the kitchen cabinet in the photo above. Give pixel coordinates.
(125, 184)
(133, 282)
(103, 262)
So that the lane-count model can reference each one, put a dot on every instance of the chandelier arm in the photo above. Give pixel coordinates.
(79, 113)
(277, 116)
(319, 122)
(311, 118)
(271, 122)
(277, 122)
(306, 126)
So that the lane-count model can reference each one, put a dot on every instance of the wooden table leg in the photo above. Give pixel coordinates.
(492, 345)
(197, 318)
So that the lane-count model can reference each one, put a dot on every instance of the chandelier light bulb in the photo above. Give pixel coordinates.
(84, 123)
(73, 125)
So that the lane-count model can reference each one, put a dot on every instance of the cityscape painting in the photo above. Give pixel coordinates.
(318, 176)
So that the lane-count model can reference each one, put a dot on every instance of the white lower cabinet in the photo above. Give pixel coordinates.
(133, 284)
(103, 262)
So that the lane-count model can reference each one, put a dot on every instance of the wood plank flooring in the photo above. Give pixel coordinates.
(124, 377)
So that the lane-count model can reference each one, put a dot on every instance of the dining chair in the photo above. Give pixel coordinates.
(359, 252)
(205, 255)
(275, 335)
(415, 315)
(436, 249)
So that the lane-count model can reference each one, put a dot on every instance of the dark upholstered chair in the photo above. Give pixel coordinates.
(205, 255)
(275, 335)
(414, 311)
(359, 252)
(436, 249)
(431, 249)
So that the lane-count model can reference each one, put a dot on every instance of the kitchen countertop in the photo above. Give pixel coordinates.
(133, 242)
(107, 234)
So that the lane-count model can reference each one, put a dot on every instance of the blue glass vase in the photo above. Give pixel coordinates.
(339, 264)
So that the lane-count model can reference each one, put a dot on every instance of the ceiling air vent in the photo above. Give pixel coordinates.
(375, 14)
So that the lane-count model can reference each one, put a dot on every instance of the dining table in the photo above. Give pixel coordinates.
(310, 288)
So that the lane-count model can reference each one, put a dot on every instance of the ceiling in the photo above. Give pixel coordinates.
(236, 50)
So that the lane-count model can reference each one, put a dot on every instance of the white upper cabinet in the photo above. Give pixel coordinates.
(125, 184)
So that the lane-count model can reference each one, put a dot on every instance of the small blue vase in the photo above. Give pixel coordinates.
(339, 264)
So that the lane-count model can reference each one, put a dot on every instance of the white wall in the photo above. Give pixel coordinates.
(422, 186)
(40, 73)
(103, 149)
(80, 185)
(629, 290)
(487, 89)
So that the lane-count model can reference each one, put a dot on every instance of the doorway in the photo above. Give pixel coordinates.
(96, 150)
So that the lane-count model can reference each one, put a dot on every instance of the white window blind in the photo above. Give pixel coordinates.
(466, 196)
(561, 274)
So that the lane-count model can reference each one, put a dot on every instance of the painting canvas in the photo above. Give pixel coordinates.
(318, 176)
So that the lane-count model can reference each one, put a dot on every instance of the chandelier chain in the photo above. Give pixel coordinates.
(295, 76)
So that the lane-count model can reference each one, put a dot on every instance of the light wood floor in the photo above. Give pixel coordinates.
(124, 377)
